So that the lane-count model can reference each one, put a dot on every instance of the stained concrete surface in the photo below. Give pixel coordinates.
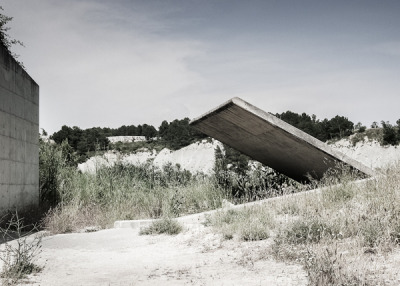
(19, 136)
(271, 141)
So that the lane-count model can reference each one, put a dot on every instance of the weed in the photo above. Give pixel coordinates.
(306, 231)
(289, 207)
(255, 231)
(395, 233)
(18, 255)
(372, 230)
(165, 225)
(327, 267)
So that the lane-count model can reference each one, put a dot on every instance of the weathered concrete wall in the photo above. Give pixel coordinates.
(19, 136)
(272, 141)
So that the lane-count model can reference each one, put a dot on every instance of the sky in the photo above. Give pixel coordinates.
(130, 62)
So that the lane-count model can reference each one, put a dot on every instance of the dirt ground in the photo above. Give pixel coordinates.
(197, 256)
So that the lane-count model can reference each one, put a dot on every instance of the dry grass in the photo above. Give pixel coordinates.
(339, 235)
(248, 224)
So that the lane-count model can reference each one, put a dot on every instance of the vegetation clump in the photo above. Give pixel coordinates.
(248, 181)
(165, 225)
(5, 39)
(248, 224)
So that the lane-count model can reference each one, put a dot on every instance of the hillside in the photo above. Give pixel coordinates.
(199, 157)
(369, 152)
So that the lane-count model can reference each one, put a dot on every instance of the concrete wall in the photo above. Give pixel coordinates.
(19, 136)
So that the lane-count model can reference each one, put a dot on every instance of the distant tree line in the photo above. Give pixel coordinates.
(179, 133)
(327, 129)
(174, 135)
(339, 127)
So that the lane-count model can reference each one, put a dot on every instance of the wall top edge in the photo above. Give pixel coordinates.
(9, 62)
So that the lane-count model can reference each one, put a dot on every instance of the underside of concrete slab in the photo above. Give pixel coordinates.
(273, 142)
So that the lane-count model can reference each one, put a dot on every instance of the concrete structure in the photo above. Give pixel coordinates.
(272, 141)
(19, 136)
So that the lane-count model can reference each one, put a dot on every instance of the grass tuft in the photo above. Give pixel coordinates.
(248, 224)
(163, 226)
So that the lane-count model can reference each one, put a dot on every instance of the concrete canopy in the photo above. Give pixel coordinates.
(271, 141)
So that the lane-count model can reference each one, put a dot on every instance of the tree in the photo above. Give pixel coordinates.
(359, 127)
(149, 131)
(304, 122)
(163, 129)
(178, 133)
(398, 130)
(5, 38)
(389, 134)
(374, 125)
(340, 127)
(336, 127)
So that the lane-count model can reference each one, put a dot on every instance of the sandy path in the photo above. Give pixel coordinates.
(195, 257)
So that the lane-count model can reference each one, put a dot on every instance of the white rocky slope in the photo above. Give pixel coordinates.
(197, 158)
(200, 157)
(369, 152)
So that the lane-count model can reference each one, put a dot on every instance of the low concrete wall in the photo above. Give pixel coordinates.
(19, 136)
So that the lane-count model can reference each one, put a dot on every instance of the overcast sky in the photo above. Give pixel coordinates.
(122, 62)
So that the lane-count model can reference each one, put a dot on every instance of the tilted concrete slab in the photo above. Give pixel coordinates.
(271, 141)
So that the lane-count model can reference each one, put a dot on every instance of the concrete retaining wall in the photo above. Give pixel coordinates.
(19, 136)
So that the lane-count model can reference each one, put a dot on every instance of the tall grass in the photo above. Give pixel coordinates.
(121, 192)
